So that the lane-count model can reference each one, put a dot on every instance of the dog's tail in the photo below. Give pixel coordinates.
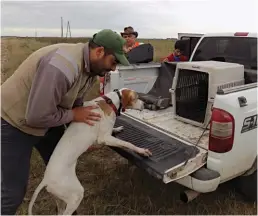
(35, 195)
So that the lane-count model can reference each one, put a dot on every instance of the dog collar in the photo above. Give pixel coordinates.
(110, 102)
(120, 99)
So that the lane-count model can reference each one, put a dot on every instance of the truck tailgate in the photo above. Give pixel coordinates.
(169, 154)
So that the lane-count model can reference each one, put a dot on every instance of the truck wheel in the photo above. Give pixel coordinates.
(247, 186)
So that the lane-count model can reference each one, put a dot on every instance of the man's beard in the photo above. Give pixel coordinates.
(97, 70)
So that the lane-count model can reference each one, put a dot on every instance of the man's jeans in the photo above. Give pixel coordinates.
(16, 149)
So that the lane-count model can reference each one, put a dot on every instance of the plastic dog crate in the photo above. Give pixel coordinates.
(195, 86)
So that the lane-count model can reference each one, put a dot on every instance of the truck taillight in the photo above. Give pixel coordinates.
(221, 131)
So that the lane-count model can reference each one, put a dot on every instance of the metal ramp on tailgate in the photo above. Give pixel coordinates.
(167, 152)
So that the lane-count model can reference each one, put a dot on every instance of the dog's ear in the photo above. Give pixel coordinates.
(127, 98)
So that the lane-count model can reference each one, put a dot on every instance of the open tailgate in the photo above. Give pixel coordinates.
(169, 153)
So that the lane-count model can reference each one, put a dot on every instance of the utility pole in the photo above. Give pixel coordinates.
(68, 29)
(62, 30)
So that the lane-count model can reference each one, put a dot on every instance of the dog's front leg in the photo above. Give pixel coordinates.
(112, 141)
(117, 130)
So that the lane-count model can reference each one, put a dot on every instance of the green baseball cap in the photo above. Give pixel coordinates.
(112, 41)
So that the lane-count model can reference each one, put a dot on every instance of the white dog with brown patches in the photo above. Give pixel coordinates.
(60, 177)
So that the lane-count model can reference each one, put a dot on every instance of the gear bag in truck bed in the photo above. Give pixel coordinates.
(159, 96)
(141, 54)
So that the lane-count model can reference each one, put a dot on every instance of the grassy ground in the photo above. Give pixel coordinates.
(112, 186)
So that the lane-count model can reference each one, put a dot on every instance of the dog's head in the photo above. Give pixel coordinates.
(130, 99)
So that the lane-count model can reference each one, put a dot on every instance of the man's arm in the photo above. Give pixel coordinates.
(184, 58)
(170, 58)
(78, 102)
(51, 82)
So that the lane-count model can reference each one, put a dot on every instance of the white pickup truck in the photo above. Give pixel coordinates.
(200, 158)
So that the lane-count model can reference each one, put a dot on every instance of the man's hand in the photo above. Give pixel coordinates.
(85, 114)
(127, 49)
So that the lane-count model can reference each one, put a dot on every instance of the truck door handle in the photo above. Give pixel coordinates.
(242, 101)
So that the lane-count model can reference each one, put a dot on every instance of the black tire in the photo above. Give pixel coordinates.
(247, 186)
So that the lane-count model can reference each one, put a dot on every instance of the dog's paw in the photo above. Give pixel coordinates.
(121, 128)
(144, 152)
(118, 129)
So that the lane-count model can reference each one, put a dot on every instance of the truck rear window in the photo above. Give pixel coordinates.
(229, 49)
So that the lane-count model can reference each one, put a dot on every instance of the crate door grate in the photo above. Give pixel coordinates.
(192, 95)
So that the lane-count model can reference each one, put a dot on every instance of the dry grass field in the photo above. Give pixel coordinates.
(112, 185)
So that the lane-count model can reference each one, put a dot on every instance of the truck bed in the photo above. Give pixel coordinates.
(163, 120)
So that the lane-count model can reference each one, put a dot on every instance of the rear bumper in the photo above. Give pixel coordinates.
(202, 180)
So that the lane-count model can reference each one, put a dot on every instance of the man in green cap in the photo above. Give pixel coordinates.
(45, 93)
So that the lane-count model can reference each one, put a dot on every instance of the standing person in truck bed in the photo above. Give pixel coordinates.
(130, 36)
(43, 95)
(177, 55)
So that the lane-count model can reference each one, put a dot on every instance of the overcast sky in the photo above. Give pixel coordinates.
(152, 18)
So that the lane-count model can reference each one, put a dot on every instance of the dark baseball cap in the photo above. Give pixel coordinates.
(112, 41)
